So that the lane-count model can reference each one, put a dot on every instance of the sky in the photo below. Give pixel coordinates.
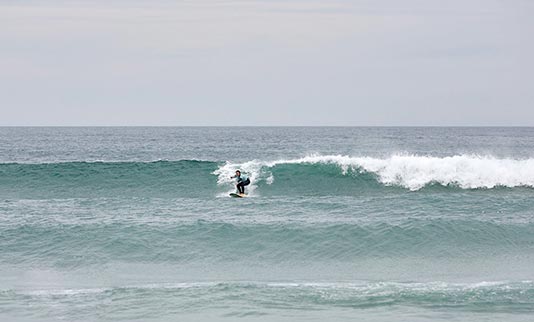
(293, 62)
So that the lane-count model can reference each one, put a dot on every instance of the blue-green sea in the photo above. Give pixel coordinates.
(340, 224)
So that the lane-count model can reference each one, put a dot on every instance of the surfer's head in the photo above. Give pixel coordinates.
(237, 173)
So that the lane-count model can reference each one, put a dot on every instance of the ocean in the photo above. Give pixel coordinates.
(340, 224)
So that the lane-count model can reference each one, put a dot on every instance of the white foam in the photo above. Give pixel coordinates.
(410, 171)
(65, 292)
(363, 288)
(251, 168)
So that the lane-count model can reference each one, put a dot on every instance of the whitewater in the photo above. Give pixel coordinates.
(410, 171)
(342, 224)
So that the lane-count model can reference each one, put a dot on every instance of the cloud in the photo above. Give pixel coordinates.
(280, 62)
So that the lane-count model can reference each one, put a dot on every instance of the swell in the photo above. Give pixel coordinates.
(94, 179)
(269, 297)
(204, 241)
(309, 175)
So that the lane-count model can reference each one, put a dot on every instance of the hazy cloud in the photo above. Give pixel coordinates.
(379, 62)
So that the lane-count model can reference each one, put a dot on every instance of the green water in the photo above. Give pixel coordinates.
(373, 224)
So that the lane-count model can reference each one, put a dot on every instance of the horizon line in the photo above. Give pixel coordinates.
(271, 126)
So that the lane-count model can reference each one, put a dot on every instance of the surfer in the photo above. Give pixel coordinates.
(242, 181)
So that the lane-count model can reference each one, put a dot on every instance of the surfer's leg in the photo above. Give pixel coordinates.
(243, 184)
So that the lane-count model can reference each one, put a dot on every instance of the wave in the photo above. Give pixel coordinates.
(93, 179)
(494, 296)
(216, 242)
(409, 171)
(329, 174)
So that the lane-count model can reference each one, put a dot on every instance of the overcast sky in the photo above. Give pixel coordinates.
(292, 62)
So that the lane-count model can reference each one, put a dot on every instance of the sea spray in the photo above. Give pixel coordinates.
(409, 171)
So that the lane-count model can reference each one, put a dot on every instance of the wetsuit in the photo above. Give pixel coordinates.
(242, 181)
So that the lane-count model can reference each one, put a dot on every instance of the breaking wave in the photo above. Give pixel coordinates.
(319, 175)
(409, 171)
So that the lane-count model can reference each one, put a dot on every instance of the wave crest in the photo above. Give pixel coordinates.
(409, 171)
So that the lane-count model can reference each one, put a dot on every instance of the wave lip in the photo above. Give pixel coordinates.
(409, 171)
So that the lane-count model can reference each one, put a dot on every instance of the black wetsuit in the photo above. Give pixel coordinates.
(242, 183)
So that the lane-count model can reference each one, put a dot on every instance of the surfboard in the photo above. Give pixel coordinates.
(237, 195)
